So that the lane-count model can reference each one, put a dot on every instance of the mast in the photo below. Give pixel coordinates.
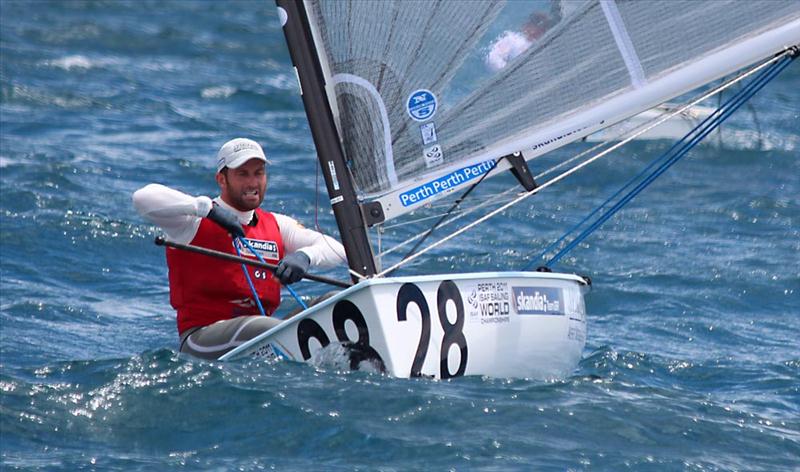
(346, 209)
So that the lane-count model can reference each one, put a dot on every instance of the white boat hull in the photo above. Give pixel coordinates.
(509, 324)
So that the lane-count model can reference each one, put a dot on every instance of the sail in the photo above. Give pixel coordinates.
(427, 95)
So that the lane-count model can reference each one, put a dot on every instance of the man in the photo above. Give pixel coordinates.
(511, 43)
(214, 303)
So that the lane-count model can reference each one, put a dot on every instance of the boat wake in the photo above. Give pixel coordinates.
(349, 356)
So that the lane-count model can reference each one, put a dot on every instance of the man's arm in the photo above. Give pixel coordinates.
(177, 213)
(322, 251)
(510, 45)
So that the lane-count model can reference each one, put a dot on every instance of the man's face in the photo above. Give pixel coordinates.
(243, 188)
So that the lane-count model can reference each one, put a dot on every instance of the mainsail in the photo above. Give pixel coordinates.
(409, 100)
(421, 111)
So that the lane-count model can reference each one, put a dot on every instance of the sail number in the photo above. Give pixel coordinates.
(409, 293)
(453, 334)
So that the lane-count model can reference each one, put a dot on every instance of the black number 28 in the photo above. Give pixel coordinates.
(453, 332)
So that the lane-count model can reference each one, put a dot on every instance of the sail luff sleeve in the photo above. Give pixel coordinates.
(326, 139)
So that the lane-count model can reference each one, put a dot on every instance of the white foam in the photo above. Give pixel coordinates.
(71, 62)
(223, 91)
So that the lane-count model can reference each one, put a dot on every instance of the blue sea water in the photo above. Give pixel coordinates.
(692, 359)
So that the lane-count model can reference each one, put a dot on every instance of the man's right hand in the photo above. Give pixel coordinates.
(227, 220)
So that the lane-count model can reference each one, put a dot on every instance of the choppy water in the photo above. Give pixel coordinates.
(692, 360)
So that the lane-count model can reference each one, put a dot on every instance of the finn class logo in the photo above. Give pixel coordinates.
(421, 105)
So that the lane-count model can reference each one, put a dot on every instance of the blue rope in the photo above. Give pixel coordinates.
(247, 276)
(296, 297)
(250, 282)
(666, 160)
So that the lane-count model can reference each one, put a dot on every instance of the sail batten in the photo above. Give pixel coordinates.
(624, 43)
(428, 100)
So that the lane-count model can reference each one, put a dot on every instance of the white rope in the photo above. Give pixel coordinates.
(462, 213)
(418, 220)
(490, 200)
(580, 166)
(357, 275)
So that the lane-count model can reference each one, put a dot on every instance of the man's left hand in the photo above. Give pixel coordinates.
(292, 268)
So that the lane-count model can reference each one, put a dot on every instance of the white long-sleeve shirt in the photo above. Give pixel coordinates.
(179, 215)
(507, 47)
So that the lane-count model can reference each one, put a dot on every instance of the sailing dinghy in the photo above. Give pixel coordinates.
(402, 114)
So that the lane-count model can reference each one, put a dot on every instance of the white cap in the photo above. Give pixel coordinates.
(238, 151)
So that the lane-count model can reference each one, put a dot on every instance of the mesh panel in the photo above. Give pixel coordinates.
(550, 79)
(569, 61)
(667, 34)
(399, 47)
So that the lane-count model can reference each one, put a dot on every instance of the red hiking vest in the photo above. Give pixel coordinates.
(204, 290)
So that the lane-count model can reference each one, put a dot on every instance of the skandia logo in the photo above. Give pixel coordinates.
(266, 249)
(263, 245)
(538, 300)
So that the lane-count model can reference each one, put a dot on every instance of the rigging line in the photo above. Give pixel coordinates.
(664, 157)
(453, 207)
(635, 132)
(494, 198)
(622, 135)
(625, 134)
(752, 111)
(357, 275)
(418, 220)
(707, 126)
(250, 282)
(247, 276)
(464, 213)
(580, 166)
(514, 188)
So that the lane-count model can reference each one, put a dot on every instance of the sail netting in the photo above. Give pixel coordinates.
(420, 88)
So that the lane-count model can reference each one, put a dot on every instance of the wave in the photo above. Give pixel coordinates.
(71, 62)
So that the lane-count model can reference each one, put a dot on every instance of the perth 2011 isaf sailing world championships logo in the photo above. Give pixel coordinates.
(489, 303)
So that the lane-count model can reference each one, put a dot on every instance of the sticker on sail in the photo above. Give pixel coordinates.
(433, 155)
(421, 105)
(538, 300)
(428, 131)
(266, 249)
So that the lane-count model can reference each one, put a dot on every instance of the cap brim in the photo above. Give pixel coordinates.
(239, 161)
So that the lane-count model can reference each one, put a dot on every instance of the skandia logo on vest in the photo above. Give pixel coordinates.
(266, 249)
(538, 301)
